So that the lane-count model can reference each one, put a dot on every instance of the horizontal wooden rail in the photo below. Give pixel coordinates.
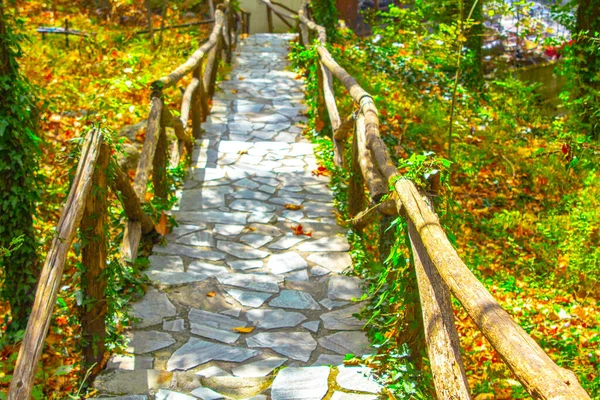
(93, 169)
(196, 58)
(439, 268)
(51, 275)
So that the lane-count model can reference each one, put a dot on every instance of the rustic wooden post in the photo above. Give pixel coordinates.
(321, 106)
(356, 191)
(93, 259)
(441, 337)
(133, 229)
(210, 71)
(199, 113)
(270, 19)
(247, 23)
(131, 203)
(159, 166)
(50, 277)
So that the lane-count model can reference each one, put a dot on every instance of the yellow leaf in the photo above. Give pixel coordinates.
(243, 329)
(242, 152)
(211, 294)
(234, 91)
(290, 206)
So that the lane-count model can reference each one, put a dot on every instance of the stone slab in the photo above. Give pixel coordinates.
(142, 342)
(152, 309)
(271, 319)
(357, 379)
(286, 262)
(344, 288)
(197, 351)
(258, 368)
(295, 299)
(296, 345)
(347, 342)
(308, 383)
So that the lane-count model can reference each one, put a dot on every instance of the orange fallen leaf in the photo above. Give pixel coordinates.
(299, 230)
(241, 78)
(161, 227)
(319, 125)
(243, 329)
(242, 152)
(321, 171)
(211, 294)
(290, 206)
(234, 91)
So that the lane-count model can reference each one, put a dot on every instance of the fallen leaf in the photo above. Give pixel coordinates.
(321, 171)
(243, 329)
(241, 78)
(161, 227)
(242, 152)
(290, 206)
(234, 91)
(319, 125)
(211, 294)
(299, 230)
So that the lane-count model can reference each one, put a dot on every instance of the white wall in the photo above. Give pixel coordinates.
(258, 16)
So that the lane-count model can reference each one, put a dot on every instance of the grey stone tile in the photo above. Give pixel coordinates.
(141, 342)
(152, 309)
(247, 298)
(308, 383)
(245, 265)
(312, 326)
(256, 240)
(286, 262)
(357, 379)
(347, 342)
(258, 368)
(165, 394)
(344, 288)
(333, 261)
(206, 394)
(241, 251)
(260, 283)
(130, 362)
(295, 299)
(209, 332)
(271, 319)
(326, 244)
(212, 371)
(201, 317)
(196, 352)
(287, 241)
(296, 345)
(342, 319)
(329, 359)
(175, 325)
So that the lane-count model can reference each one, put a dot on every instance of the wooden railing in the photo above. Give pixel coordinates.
(87, 209)
(439, 270)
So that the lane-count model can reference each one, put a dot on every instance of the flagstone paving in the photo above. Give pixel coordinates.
(241, 307)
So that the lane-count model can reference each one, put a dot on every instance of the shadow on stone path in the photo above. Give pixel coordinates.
(237, 295)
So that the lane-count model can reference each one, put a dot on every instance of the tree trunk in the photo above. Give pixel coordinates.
(588, 70)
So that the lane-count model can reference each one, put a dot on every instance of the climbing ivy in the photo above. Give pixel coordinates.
(326, 15)
(19, 184)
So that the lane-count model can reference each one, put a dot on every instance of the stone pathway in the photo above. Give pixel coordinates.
(242, 307)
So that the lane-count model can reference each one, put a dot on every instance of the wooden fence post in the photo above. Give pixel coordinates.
(270, 19)
(356, 191)
(93, 259)
(159, 166)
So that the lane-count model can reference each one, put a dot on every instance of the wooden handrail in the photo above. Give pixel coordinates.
(438, 266)
(50, 277)
(196, 58)
(93, 169)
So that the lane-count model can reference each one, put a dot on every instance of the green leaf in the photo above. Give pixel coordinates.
(63, 370)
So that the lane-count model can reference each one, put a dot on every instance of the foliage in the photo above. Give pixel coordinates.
(325, 14)
(18, 167)
(523, 199)
(101, 80)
